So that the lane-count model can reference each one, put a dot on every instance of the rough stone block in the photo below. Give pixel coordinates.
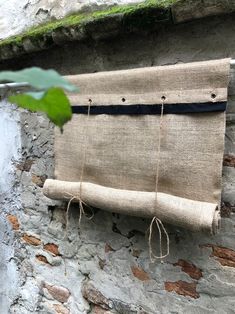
(59, 293)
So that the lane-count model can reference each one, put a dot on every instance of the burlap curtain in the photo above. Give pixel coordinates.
(147, 142)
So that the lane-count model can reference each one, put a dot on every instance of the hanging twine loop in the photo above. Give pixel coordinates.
(79, 196)
(160, 228)
(155, 219)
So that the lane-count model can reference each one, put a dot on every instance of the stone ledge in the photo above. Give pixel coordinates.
(143, 17)
(89, 26)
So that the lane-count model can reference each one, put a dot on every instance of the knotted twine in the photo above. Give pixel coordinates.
(79, 196)
(155, 219)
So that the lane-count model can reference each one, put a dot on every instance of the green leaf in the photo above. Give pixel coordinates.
(53, 102)
(38, 78)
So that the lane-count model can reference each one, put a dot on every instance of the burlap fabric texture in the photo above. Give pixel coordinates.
(132, 159)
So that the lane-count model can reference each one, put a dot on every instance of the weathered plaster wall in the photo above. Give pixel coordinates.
(10, 145)
(9, 152)
(16, 16)
(104, 267)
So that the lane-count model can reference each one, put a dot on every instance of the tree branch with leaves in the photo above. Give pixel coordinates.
(46, 93)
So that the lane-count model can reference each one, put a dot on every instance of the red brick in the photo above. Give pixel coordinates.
(31, 240)
(52, 248)
(42, 259)
(139, 273)
(182, 288)
(14, 222)
(190, 269)
(225, 256)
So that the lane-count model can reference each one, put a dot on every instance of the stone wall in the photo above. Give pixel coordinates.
(104, 266)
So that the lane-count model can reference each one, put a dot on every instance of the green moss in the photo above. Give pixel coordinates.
(35, 33)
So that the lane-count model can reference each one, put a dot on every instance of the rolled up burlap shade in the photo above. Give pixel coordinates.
(152, 144)
(182, 212)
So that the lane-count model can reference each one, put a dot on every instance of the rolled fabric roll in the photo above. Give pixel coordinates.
(190, 214)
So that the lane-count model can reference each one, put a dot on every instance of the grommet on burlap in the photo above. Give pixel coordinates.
(213, 95)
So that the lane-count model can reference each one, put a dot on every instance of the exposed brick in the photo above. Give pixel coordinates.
(26, 165)
(42, 259)
(229, 160)
(31, 240)
(139, 273)
(108, 248)
(39, 180)
(14, 222)
(190, 269)
(93, 295)
(60, 294)
(226, 262)
(52, 248)
(182, 288)
(60, 309)
(225, 256)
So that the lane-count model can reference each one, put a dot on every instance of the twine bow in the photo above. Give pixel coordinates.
(81, 204)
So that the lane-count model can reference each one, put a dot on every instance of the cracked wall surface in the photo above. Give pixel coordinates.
(103, 266)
